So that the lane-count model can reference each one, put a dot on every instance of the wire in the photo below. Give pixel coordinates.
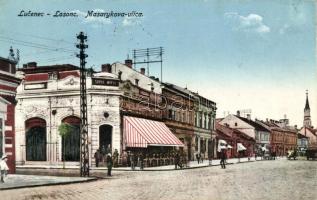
(32, 44)
(44, 38)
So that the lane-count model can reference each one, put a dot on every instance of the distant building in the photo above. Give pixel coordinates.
(234, 136)
(283, 138)
(8, 84)
(248, 127)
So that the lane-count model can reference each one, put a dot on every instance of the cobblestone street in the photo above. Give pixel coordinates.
(280, 179)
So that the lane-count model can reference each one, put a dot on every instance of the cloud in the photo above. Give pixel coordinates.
(95, 21)
(131, 21)
(250, 23)
(284, 28)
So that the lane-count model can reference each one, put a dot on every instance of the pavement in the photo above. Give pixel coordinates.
(265, 180)
(14, 181)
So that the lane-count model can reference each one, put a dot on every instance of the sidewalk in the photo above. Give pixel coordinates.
(191, 165)
(14, 181)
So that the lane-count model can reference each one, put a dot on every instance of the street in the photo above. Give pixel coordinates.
(279, 179)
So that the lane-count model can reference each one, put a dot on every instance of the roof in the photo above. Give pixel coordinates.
(307, 103)
(50, 68)
(8, 60)
(187, 92)
(180, 89)
(301, 136)
(257, 126)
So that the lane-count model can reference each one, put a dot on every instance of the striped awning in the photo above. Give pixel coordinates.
(142, 133)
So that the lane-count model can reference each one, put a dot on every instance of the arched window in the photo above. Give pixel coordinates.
(71, 141)
(35, 139)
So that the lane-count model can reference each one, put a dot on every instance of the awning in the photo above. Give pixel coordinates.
(142, 133)
(229, 146)
(222, 144)
(240, 147)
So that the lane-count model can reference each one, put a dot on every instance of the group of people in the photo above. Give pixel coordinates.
(111, 160)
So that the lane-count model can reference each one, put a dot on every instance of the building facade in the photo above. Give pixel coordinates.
(8, 84)
(249, 127)
(49, 96)
(204, 126)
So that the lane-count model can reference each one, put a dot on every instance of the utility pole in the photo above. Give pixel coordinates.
(84, 151)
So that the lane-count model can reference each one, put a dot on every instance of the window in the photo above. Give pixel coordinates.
(136, 81)
(170, 114)
(235, 124)
(200, 119)
(1, 137)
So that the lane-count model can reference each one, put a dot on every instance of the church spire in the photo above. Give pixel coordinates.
(307, 119)
(307, 102)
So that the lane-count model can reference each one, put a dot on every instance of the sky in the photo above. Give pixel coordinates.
(241, 54)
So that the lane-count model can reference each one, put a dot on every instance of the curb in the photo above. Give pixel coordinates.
(50, 184)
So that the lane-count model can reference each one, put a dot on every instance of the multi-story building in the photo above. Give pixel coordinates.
(249, 127)
(49, 96)
(234, 136)
(204, 126)
(8, 84)
(179, 115)
(283, 138)
(123, 108)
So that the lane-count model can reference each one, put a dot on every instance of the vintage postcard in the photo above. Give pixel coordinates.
(170, 100)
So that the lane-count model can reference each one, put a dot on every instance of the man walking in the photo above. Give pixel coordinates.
(176, 159)
(97, 157)
(109, 163)
(223, 158)
(3, 167)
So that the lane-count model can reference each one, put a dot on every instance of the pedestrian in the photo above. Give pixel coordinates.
(223, 158)
(115, 158)
(109, 163)
(202, 157)
(198, 157)
(141, 161)
(103, 153)
(176, 159)
(3, 167)
(132, 158)
(109, 149)
(97, 157)
(129, 159)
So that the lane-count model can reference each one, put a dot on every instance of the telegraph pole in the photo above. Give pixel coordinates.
(84, 151)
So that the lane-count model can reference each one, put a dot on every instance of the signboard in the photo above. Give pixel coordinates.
(107, 82)
(35, 86)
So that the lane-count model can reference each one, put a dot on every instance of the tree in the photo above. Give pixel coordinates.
(64, 129)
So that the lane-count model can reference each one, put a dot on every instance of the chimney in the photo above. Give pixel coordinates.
(142, 71)
(106, 68)
(249, 117)
(32, 65)
(128, 62)
(238, 113)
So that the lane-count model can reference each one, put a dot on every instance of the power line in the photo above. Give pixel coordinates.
(35, 45)
(43, 38)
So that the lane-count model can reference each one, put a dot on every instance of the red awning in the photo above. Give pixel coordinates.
(142, 133)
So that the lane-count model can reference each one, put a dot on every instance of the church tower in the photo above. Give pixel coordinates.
(307, 120)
